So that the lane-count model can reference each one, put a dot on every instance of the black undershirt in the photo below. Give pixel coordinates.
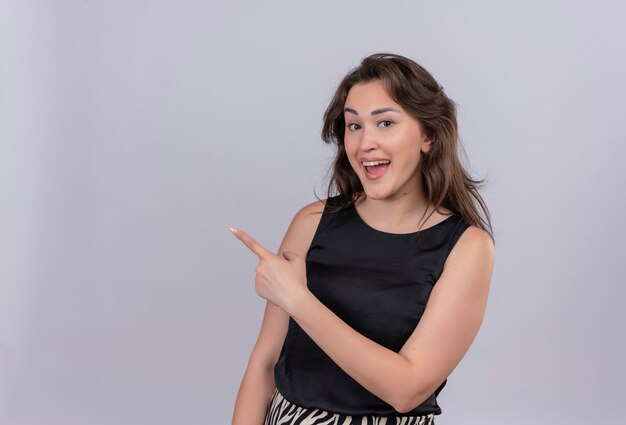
(376, 282)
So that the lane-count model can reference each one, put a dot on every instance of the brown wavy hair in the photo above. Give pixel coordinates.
(445, 181)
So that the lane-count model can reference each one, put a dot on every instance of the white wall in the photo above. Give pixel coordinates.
(132, 133)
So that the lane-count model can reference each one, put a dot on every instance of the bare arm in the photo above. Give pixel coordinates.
(258, 383)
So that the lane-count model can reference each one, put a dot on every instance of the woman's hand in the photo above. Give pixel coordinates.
(279, 279)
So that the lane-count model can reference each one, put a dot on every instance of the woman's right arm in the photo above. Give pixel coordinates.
(258, 384)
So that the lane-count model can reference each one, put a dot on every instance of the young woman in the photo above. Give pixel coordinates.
(377, 291)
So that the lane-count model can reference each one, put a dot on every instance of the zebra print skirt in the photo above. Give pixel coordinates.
(283, 412)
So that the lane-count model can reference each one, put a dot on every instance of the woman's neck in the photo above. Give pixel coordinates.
(400, 213)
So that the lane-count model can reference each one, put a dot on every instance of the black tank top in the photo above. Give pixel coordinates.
(376, 282)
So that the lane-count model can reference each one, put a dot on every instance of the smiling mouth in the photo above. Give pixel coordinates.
(375, 169)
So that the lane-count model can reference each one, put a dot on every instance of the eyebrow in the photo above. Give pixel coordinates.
(374, 112)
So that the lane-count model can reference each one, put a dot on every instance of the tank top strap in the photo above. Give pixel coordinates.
(329, 215)
(455, 234)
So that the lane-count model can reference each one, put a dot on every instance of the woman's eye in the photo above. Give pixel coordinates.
(386, 123)
(351, 127)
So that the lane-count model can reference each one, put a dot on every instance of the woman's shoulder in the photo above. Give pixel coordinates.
(308, 217)
(303, 227)
(312, 208)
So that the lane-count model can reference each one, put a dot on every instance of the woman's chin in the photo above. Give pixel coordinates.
(376, 194)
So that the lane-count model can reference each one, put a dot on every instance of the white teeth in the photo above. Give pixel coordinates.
(372, 163)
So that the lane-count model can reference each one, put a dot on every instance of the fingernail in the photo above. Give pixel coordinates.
(232, 229)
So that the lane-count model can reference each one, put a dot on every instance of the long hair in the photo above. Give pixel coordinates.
(444, 180)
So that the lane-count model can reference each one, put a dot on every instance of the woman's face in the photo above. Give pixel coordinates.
(378, 129)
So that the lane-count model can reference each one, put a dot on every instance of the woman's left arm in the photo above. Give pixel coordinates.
(449, 324)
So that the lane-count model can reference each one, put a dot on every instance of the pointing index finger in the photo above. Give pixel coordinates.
(251, 243)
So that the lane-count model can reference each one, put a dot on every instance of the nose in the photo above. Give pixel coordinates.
(369, 140)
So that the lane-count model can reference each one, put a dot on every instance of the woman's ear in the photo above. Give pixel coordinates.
(427, 144)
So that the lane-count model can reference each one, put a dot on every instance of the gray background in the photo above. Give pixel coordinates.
(134, 132)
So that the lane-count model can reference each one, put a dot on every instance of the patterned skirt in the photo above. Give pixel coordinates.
(283, 412)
